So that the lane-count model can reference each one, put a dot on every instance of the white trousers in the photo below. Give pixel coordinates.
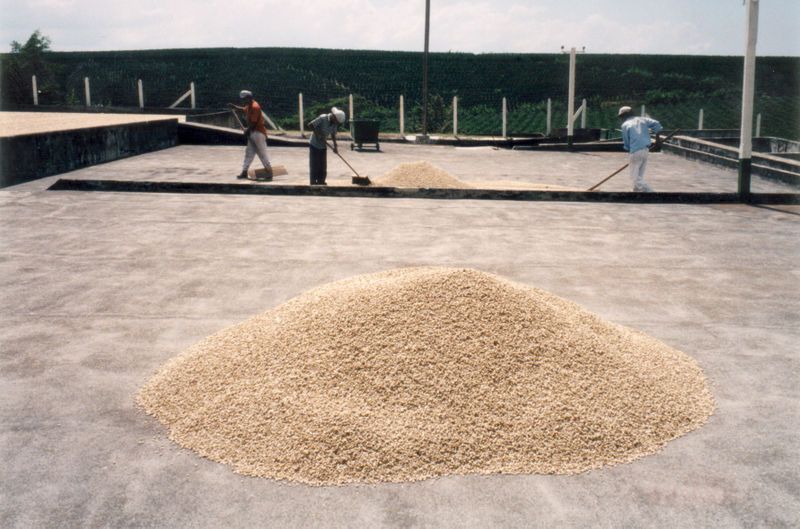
(638, 165)
(256, 144)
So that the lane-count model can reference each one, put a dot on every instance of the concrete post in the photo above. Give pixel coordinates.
(571, 97)
(583, 114)
(455, 115)
(87, 92)
(643, 111)
(191, 88)
(505, 117)
(350, 102)
(301, 114)
(35, 90)
(748, 89)
(141, 93)
(758, 125)
(549, 116)
(402, 117)
(700, 120)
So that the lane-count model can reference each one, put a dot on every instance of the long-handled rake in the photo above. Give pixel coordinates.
(615, 173)
(357, 179)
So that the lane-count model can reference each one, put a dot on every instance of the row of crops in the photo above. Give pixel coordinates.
(673, 88)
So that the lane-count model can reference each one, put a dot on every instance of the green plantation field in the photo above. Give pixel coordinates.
(673, 88)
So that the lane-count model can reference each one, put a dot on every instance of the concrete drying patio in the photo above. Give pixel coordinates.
(99, 289)
(482, 167)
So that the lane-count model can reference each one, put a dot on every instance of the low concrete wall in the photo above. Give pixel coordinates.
(30, 156)
(764, 144)
(138, 186)
(722, 152)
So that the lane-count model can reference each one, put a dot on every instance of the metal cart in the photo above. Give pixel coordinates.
(364, 131)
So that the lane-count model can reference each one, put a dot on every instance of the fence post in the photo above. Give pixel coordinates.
(455, 115)
(643, 111)
(191, 88)
(505, 117)
(402, 118)
(301, 114)
(350, 102)
(141, 93)
(35, 91)
(700, 120)
(583, 114)
(87, 93)
(549, 116)
(758, 125)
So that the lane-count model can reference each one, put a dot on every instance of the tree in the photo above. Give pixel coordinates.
(25, 61)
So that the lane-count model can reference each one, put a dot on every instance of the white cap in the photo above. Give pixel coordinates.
(624, 110)
(245, 93)
(339, 114)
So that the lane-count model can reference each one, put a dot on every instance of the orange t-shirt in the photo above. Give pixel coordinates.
(254, 116)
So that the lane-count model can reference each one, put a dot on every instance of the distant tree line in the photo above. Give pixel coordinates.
(378, 78)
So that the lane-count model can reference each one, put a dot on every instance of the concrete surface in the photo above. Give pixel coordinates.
(99, 289)
(485, 167)
(20, 123)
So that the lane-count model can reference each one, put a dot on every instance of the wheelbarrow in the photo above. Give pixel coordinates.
(364, 131)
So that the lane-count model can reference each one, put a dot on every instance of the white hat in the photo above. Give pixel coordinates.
(339, 114)
(624, 110)
(245, 93)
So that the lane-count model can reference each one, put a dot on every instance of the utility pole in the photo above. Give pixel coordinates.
(425, 71)
(571, 96)
(748, 90)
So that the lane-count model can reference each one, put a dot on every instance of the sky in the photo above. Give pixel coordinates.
(712, 27)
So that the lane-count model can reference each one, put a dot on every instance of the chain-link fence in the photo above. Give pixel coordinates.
(673, 89)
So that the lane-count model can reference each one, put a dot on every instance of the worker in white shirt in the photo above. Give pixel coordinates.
(636, 140)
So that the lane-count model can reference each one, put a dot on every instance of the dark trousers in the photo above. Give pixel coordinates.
(318, 164)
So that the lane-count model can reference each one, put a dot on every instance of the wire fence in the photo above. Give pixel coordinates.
(673, 89)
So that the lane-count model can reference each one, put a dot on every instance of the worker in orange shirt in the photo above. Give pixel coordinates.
(255, 132)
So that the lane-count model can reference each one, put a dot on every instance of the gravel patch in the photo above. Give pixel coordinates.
(414, 373)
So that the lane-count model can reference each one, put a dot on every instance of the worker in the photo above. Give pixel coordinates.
(636, 140)
(323, 126)
(255, 132)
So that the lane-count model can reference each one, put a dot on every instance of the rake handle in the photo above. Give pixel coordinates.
(342, 158)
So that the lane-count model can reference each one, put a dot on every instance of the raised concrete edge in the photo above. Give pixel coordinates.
(27, 157)
(430, 193)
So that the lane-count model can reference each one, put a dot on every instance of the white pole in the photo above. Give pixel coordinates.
(87, 92)
(643, 111)
(455, 115)
(549, 116)
(350, 100)
(191, 87)
(748, 89)
(402, 118)
(583, 114)
(505, 117)
(141, 93)
(758, 125)
(35, 91)
(300, 113)
(571, 97)
(700, 120)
